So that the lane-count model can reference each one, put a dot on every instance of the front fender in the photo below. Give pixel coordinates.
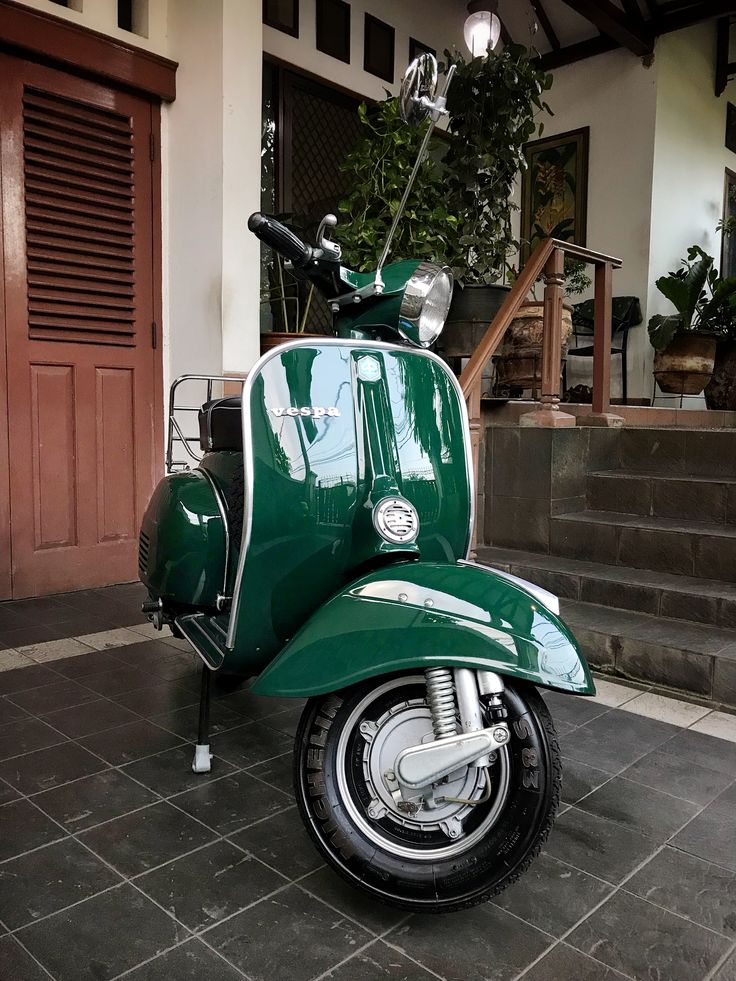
(419, 614)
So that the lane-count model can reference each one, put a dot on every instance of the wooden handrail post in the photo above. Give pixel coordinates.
(548, 414)
(473, 401)
(602, 315)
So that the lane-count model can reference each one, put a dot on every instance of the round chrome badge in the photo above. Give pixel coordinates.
(396, 520)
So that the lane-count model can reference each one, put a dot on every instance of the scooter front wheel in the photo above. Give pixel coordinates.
(480, 833)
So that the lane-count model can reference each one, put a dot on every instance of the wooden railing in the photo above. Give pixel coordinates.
(548, 260)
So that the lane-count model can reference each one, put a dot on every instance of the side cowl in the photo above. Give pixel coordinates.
(419, 614)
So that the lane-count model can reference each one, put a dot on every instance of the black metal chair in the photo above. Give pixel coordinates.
(625, 314)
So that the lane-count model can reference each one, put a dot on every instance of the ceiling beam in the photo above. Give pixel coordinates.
(615, 24)
(546, 24)
(577, 52)
(665, 22)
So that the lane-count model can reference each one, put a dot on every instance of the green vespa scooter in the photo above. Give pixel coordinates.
(321, 545)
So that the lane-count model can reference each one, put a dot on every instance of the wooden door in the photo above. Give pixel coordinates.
(83, 369)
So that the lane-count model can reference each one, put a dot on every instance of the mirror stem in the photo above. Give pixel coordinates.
(437, 110)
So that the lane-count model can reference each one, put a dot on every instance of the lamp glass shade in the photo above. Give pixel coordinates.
(482, 31)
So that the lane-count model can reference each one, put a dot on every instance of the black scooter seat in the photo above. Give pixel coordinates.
(220, 425)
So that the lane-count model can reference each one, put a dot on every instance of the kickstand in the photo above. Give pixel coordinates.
(202, 762)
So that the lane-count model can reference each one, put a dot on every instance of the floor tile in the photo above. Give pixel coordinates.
(129, 742)
(639, 808)
(30, 634)
(122, 913)
(572, 709)
(11, 660)
(678, 777)
(614, 740)
(93, 716)
(203, 888)
(18, 965)
(50, 879)
(7, 793)
(146, 838)
(171, 772)
(94, 799)
(286, 721)
(123, 679)
(667, 946)
(159, 698)
(250, 744)
(700, 749)
(190, 961)
(719, 724)
(711, 835)
(26, 735)
(257, 706)
(146, 653)
(41, 701)
(333, 890)
(290, 936)
(21, 679)
(231, 803)
(578, 780)
(101, 640)
(94, 662)
(686, 885)
(480, 944)
(10, 712)
(52, 650)
(22, 827)
(727, 971)
(278, 772)
(184, 721)
(672, 710)
(47, 768)
(597, 846)
(379, 962)
(552, 896)
(563, 963)
(282, 842)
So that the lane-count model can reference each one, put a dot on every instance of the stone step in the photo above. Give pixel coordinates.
(705, 601)
(687, 657)
(705, 452)
(663, 495)
(682, 546)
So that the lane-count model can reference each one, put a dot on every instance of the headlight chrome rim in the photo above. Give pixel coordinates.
(428, 276)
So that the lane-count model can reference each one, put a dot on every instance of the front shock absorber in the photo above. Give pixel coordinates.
(441, 698)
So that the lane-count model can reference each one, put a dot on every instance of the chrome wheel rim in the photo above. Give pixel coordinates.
(360, 769)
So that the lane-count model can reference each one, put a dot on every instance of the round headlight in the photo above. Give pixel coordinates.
(426, 303)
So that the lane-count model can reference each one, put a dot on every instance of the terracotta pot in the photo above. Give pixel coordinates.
(520, 363)
(686, 365)
(720, 392)
(471, 312)
(274, 338)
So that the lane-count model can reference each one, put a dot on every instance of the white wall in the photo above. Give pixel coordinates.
(436, 23)
(690, 156)
(615, 96)
(102, 16)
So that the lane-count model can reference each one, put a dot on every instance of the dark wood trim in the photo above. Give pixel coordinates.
(546, 24)
(723, 36)
(371, 23)
(6, 581)
(60, 43)
(157, 263)
(614, 23)
(665, 22)
(318, 79)
(292, 29)
(577, 52)
(322, 10)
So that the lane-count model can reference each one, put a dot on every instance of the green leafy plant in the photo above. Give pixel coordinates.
(577, 279)
(459, 210)
(705, 302)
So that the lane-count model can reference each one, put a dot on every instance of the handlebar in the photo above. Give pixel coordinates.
(280, 238)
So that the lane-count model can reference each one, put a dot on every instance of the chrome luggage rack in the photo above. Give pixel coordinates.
(176, 434)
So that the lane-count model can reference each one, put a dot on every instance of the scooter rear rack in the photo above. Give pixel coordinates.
(176, 428)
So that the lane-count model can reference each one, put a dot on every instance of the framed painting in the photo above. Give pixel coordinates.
(554, 190)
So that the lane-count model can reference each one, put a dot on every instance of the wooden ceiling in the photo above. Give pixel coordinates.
(565, 31)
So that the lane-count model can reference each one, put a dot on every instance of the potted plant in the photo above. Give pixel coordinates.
(685, 342)
(519, 365)
(720, 392)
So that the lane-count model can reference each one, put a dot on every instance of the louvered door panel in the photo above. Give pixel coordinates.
(72, 245)
(84, 379)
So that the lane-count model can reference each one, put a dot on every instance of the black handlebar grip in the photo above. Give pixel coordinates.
(280, 238)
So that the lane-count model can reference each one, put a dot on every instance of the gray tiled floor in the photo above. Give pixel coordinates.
(116, 860)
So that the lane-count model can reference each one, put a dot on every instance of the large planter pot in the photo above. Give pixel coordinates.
(471, 312)
(720, 392)
(273, 338)
(520, 363)
(686, 365)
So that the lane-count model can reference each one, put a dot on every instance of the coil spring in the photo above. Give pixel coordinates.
(441, 698)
